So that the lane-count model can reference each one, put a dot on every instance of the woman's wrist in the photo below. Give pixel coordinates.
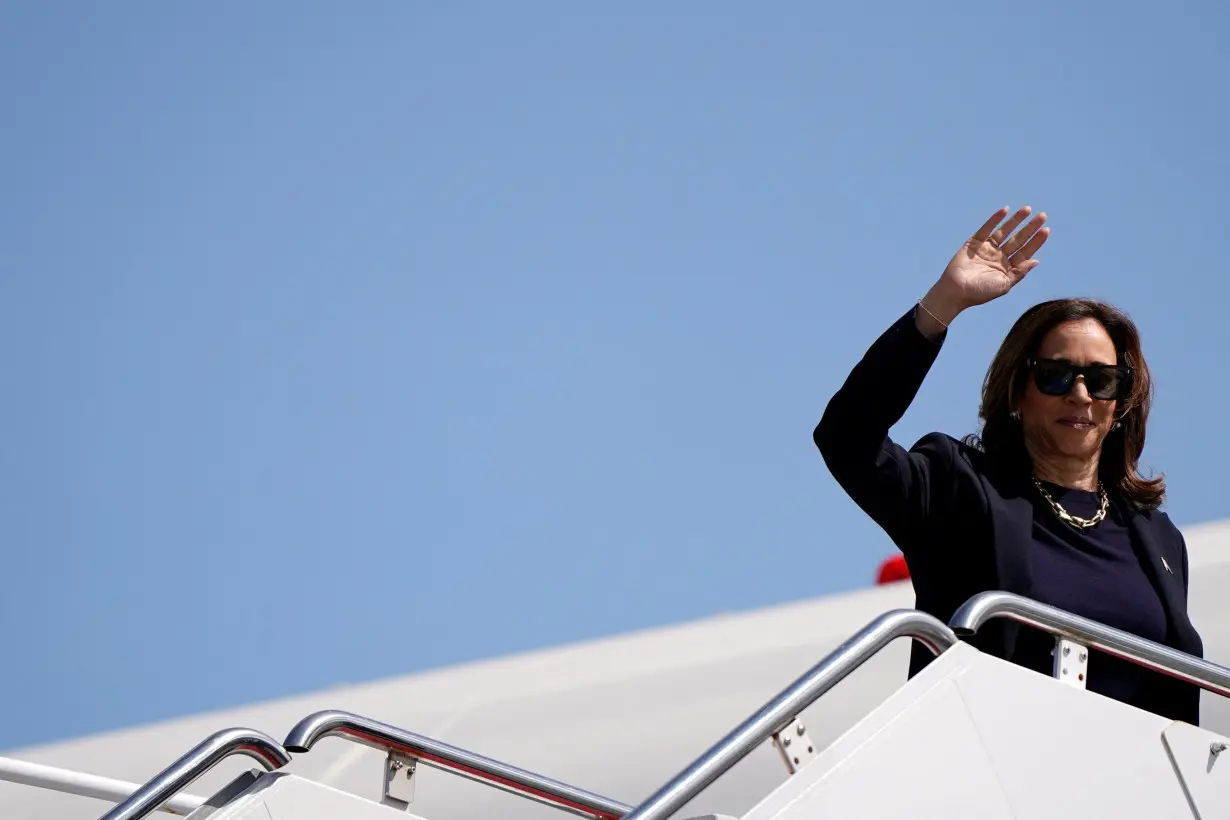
(935, 313)
(942, 305)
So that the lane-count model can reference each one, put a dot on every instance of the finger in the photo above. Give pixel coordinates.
(1011, 225)
(1024, 235)
(1031, 247)
(1018, 272)
(1024, 268)
(984, 233)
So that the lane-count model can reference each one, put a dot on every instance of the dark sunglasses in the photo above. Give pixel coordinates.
(1055, 377)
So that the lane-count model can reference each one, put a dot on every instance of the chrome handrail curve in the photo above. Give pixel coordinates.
(431, 752)
(196, 762)
(778, 712)
(986, 606)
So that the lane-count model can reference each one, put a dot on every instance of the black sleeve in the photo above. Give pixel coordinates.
(896, 487)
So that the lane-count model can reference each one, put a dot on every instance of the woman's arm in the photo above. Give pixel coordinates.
(894, 486)
(889, 483)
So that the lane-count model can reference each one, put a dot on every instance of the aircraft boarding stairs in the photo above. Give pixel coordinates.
(971, 736)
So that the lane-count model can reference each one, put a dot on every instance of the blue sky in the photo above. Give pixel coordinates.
(348, 340)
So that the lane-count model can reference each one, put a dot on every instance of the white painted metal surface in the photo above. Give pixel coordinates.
(279, 796)
(1201, 760)
(975, 737)
(916, 743)
(583, 713)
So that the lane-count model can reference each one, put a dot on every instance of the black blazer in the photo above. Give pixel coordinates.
(964, 526)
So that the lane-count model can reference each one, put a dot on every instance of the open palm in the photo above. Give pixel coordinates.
(994, 259)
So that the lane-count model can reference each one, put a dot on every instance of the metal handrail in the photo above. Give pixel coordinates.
(986, 606)
(67, 781)
(200, 759)
(433, 752)
(777, 713)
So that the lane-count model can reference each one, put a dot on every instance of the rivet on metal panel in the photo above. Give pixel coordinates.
(398, 790)
(795, 746)
(1071, 670)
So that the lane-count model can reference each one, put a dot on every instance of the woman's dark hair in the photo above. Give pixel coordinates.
(1002, 438)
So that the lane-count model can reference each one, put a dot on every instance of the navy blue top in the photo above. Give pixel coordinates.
(1094, 572)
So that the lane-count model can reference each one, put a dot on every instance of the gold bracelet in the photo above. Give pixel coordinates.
(932, 315)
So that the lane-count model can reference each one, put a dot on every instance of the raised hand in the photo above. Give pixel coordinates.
(993, 260)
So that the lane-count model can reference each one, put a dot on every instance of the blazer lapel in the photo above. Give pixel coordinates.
(1012, 517)
(1012, 525)
(1161, 573)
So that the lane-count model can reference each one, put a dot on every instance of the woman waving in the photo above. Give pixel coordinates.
(1048, 501)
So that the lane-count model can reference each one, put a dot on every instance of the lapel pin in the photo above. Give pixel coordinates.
(1167, 566)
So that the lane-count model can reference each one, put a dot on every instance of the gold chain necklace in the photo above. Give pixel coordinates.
(1069, 518)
